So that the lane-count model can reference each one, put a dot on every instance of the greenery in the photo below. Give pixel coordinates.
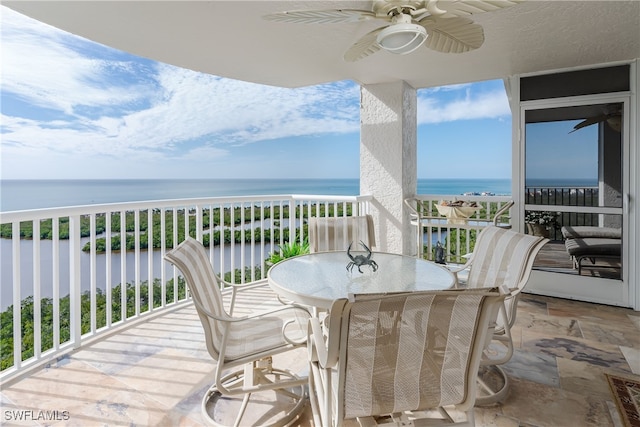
(458, 235)
(236, 276)
(541, 217)
(46, 313)
(288, 250)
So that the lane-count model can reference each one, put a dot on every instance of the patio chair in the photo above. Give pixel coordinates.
(248, 342)
(337, 233)
(497, 218)
(500, 258)
(400, 359)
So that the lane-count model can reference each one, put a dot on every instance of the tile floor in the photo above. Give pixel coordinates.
(155, 373)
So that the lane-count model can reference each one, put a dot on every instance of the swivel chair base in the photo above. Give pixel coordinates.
(268, 408)
(493, 385)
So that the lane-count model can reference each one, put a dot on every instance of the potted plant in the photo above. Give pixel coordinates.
(538, 222)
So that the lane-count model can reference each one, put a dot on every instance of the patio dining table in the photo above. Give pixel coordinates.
(318, 279)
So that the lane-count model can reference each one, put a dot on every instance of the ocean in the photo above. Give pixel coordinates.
(37, 194)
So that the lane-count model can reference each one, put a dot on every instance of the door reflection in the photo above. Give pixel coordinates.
(573, 168)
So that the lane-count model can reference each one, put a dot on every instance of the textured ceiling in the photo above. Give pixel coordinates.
(231, 39)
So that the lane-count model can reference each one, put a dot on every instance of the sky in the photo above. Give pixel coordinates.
(74, 109)
(544, 158)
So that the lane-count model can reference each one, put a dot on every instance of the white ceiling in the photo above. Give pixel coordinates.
(230, 39)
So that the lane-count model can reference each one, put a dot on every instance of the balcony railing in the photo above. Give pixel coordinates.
(457, 236)
(566, 196)
(72, 274)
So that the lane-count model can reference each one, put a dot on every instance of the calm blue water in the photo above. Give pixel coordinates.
(36, 194)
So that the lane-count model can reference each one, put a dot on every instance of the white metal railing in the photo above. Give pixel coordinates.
(456, 235)
(99, 256)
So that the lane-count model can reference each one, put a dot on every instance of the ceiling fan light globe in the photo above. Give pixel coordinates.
(402, 38)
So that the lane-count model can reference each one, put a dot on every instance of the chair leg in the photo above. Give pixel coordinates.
(243, 407)
(320, 396)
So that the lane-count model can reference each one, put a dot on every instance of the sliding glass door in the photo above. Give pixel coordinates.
(574, 190)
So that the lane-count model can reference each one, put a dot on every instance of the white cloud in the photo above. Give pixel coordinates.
(485, 105)
(82, 104)
(42, 69)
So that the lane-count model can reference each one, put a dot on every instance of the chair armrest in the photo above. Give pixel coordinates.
(412, 203)
(324, 345)
(456, 270)
(235, 287)
(307, 316)
(500, 212)
(288, 307)
(316, 344)
(289, 315)
(321, 351)
(255, 316)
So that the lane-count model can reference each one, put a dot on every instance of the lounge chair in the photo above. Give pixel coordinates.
(593, 248)
(592, 243)
(582, 231)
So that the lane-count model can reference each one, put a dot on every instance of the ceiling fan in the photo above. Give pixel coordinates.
(612, 115)
(441, 25)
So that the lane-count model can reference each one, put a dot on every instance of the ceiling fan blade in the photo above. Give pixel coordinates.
(367, 45)
(453, 8)
(337, 16)
(455, 35)
(590, 121)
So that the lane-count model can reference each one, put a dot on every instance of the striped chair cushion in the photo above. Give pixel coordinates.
(411, 351)
(336, 233)
(500, 257)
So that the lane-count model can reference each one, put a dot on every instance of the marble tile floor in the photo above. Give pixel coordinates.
(155, 373)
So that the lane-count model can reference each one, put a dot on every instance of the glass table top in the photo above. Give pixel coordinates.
(320, 278)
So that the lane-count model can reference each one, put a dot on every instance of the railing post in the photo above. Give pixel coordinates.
(92, 272)
(75, 312)
(292, 222)
(123, 265)
(55, 271)
(198, 214)
(17, 308)
(37, 304)
(136, 261)
(107, 260)
(150, 251)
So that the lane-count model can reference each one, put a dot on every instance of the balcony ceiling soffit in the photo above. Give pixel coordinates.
(230, 39)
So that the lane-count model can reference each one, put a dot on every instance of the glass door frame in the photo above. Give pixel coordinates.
(591, 289)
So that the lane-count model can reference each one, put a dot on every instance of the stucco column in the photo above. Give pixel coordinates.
(388, 161)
